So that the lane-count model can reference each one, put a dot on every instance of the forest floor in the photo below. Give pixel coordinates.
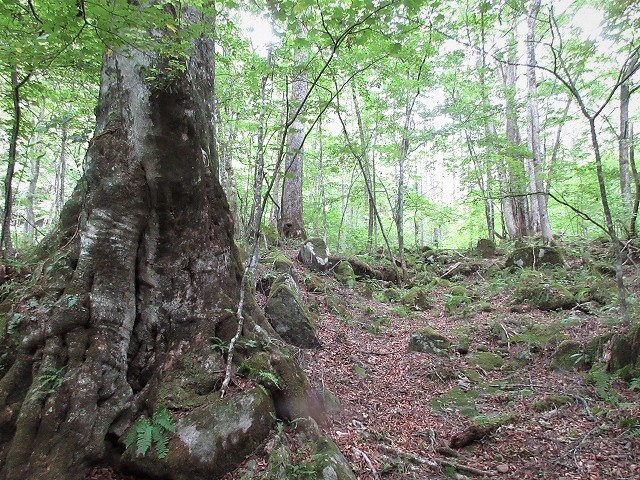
(400, 409)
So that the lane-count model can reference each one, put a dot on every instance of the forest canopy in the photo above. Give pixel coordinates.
(445, 118)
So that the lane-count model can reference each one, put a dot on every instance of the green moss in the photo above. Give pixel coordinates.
(418, 298)
(539, 291)
(551, 402)
(428, 340)
(315, 283)
(568, 356)
(344, 273)
(463, 402)
(487, 361)
(604, 291)
(459, 291)
(453, 302)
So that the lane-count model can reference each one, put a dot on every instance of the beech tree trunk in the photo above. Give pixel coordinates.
(514, 203)
(539, 211)
(623, 141)
(6, 244)
(61, 170)
(291, 224)
(145, 274)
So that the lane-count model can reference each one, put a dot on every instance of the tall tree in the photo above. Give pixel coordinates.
(539, 211)
(147, 272)
(291, 222)
(514, 203)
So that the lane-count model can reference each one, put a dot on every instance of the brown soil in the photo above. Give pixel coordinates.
(388, 428)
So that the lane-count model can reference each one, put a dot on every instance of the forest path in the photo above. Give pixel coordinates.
(390, 427)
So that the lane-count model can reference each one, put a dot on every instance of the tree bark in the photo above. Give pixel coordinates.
(60, 174)
(514, 206)
(633, 229)
(149, 270)
(368, 171)
(6, 244)
(623, 141)
(538, 199)
(291, 224)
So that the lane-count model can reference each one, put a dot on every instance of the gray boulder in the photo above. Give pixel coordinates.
(314, 254)
(288, 316)
(486, 248)
(210, 440)
(535, 257)
(428, 340)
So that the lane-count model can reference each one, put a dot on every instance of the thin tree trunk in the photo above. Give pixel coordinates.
(321, 190)
(623, 141)
(617, 247)
(258, 177)
(514, 206)
(6, 243)
(60, 177)
(367, 171)
(539, 199)
(633, 229)
(30, 217)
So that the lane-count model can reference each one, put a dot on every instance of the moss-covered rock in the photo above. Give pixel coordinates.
(210, 440)
(288, 316)
(453, 302)
(539, 291)
(328, 461)
(459, 290)
(460, 270)
(604, 292)
(551, 402)
(199, 375)
(281, 263)
(315, 283)
(485, 248)
(625, 353)
(487, 361)
(568, 356)
(417, 297)
(535, 257)
(314, 254)
(604, 268)
(344, 273)
(428, 340)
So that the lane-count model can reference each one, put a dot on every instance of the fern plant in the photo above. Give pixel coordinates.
(51, 379)
(151, 432)
(603, 381)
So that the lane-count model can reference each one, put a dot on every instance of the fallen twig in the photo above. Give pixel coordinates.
(438, 463)
(582, 400)
(374, 472)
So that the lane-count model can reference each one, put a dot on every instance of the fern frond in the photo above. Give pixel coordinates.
(145, 436)
(163, 419)
(161, 446)
(132, 435)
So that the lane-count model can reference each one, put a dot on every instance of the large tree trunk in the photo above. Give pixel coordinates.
(146, 275)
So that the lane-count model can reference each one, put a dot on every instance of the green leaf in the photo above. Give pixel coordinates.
(145, 436)
(163, 419)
